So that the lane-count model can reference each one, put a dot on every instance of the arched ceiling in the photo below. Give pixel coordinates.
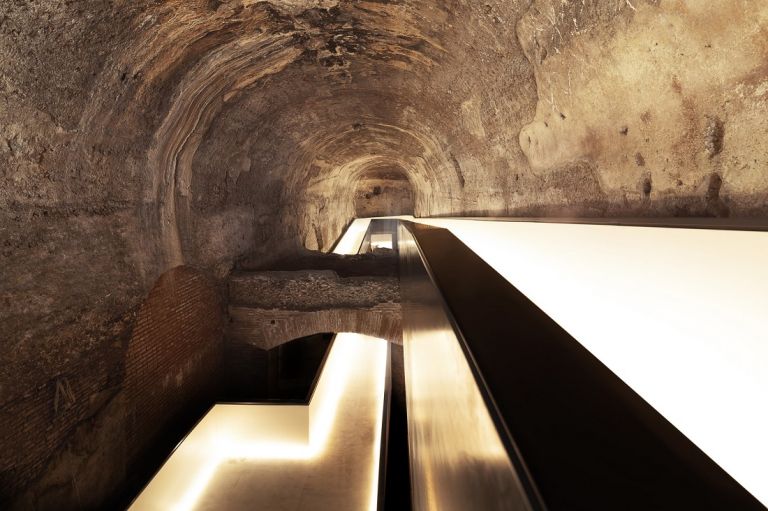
(139, 135)
(267, 113)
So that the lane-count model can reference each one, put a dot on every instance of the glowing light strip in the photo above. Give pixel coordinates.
(217, 439)
(353, 237)
(228, 443)
(373, 501)
(350, 244)
(681, 315)
(196, 488)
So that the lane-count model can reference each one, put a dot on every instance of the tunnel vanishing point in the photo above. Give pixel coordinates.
(174, 170)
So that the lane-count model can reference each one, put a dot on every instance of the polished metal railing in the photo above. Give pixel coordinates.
(506, 410)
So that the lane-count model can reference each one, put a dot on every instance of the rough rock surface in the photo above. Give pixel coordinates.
(268, 308)
(139, 136)
(660, 105)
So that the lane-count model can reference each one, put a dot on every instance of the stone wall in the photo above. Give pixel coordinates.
(71, 442)
(650, 108)
(384, 194)
(269, 308)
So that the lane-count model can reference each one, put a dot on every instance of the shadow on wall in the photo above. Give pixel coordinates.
(385, 192)
(286, 372)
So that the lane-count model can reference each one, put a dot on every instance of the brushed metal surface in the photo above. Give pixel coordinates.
(458, 460)
(580, 437)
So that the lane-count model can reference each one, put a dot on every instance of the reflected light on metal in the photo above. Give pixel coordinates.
(353, 237)
(681, 315)
(458, 460)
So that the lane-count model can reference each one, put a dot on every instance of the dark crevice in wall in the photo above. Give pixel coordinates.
(283, 373)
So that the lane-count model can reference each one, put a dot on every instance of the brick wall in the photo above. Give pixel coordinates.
(68, 443)
(267, 328)
(35, 425)
(174, 353)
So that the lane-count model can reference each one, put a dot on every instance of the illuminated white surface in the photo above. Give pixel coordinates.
(681, 315)
(353, 237)
(307, 447)
(350, 244)
(341, 464)
(276, 432)
(321, 456)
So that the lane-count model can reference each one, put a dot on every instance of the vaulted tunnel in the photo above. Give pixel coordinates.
(151, 152)
(384, 192)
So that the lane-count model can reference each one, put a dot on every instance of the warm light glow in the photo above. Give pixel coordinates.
(264, 432)
(194, 489)
(323, 409)
(681, 315)
(349, 397)
(350, 244)
(353, 237)
(382, 361)
(381, 241)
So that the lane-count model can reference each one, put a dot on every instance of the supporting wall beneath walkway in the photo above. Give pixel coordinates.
(73, 442)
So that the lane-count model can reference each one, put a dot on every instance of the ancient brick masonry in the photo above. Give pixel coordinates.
(268, 308)
(174, 354)
(137, 137)
(101, 412)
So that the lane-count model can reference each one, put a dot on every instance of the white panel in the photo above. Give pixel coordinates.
(681, 315)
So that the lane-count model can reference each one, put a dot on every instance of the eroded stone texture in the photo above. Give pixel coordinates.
(653, 100)
(268, 308)
(136, 137)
